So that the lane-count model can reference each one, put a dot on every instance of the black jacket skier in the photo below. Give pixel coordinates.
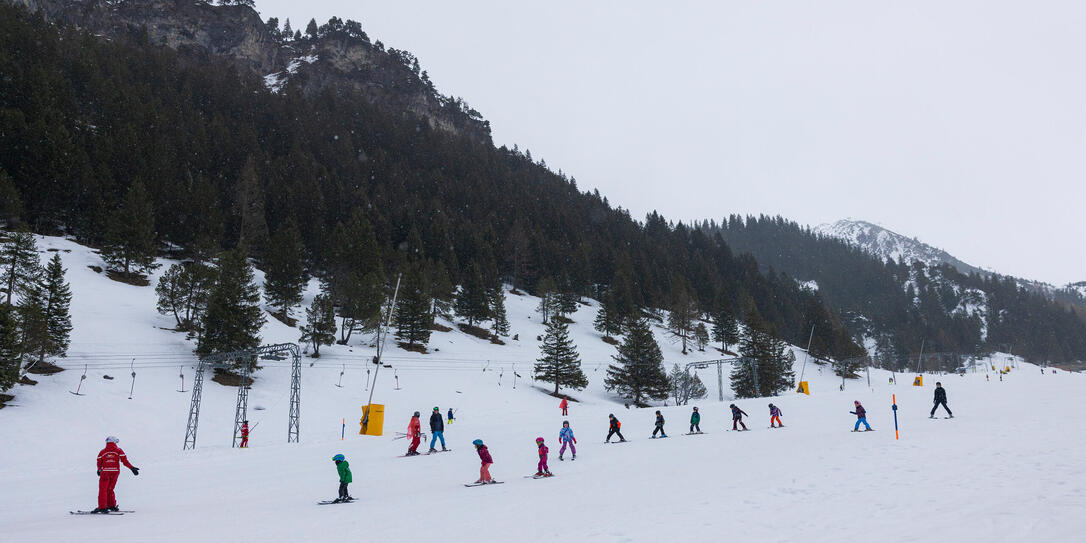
(437, 424)
(940, 399)
(737, 417)
(659, 425)
(614, 429)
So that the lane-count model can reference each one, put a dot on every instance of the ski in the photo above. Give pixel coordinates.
(334, 502)
(485, 484)
(693, 433)
(93, 513)
(539, 476)
(435, 452)
(654, 437)
(623, 441)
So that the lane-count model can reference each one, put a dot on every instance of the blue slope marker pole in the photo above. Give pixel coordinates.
(343, 430)
(896, 436)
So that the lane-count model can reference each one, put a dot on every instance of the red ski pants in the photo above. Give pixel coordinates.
(775, 419)
(414, 444)
(244, 442)
(565, 411)
(106, 483)
(484, 473)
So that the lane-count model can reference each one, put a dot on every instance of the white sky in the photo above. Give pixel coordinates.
(960, 123)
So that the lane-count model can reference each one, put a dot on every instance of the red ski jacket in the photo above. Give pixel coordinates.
(414, 428)
(564, 404)
(111, 458)
(244, 430)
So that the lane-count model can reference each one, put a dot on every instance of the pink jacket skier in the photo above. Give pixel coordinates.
(542, 470)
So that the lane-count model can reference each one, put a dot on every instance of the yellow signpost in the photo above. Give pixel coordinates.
(919, 381)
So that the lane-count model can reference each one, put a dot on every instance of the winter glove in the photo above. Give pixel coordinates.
(135, 471)
(98, 473)
(574, 441)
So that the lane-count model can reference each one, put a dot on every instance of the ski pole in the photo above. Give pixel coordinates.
(896, 436)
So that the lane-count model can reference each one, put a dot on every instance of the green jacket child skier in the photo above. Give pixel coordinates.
(345, 479)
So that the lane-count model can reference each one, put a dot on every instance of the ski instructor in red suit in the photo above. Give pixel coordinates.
(109, 469)
(564, 406)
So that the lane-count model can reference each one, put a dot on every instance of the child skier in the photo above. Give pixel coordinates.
(344, 470)
(940, 399)
(695, 421)
(565, 437)
(775, 416)
(542, 470)
(614, 428)
(414, 433)
(484, 457)
(861, 417)
(244, 434)
(451, 419)
(109, 470)
(659, 425)
(564, 406)
(737, 417)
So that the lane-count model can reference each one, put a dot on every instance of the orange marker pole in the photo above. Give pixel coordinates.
(896, 435)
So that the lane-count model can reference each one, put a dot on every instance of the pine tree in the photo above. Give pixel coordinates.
(130, 237)
(547, 291)
(639, 373)
(233, 317)
(442, 292)
(499, 320)
(284, 272)
(183, 293)
(311, 29)
(559, 364)
(21, 266)
(57, 296)
(680, 320)
(33, 326)
(11, 205)
(608, 320)
(320, 324)
(767, 367)
(725, 327)
(701, 336)
(355, 278)
(413, 316)
(471, 301)
(10, 362)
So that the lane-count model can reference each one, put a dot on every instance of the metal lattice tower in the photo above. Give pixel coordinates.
(194, 407)
(241, 410)
(247, 358)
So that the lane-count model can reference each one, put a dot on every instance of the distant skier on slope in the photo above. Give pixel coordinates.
(244, 434)
(659, 425)
(344, 470)
(861, 417)
(437, 429)
(109, 470)
(695, 421)
(451, 417)
(737, 417)
(940, 399)
(564, 406)
(414, 433)
(565, 437)
(775, 416)
(614, 429)
(542, 470)
(485, 459)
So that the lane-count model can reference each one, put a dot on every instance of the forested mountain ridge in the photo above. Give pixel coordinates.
(898, 304)
(98, 135)
(336, 56)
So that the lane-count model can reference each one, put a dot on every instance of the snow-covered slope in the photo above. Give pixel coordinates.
(997, 472)
(889, 245)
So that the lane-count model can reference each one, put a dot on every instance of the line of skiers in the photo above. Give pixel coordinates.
(111, 457)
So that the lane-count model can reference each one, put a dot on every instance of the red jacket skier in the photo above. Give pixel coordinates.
(244, 434)
(564, 406)
(109, 470)
(414, 433)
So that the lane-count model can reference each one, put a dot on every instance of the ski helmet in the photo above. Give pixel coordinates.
(770, 405)
(612, 415)
(437, 409)
(112, 439)
(477, 442)
(565, 423)
(539, 440)
(695, 408)
(338, 458)
(416, 413)
(732, 405)
(857, 402)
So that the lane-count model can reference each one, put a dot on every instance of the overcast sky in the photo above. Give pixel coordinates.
(960, 123)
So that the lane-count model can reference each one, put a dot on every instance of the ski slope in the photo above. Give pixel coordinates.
(1007, 468)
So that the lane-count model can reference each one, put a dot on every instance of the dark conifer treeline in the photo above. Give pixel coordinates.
(902, 304)
(225, 163)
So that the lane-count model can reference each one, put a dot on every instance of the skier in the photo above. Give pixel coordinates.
(437, 428)
(109, 470)
(484, 457)
(775, 416)
(345, 479)
(541, 469)
(659, 425)
(244, 434)
(861, 417)
(451, 418)
(940, 399)
(565, 437)
(695, 421)
(414, 431)
(564, 405)
(737, 417)
(614, 429)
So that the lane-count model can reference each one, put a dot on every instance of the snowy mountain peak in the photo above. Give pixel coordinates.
(889, 245)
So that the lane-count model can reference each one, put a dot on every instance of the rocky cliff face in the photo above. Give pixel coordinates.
(337, 58)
